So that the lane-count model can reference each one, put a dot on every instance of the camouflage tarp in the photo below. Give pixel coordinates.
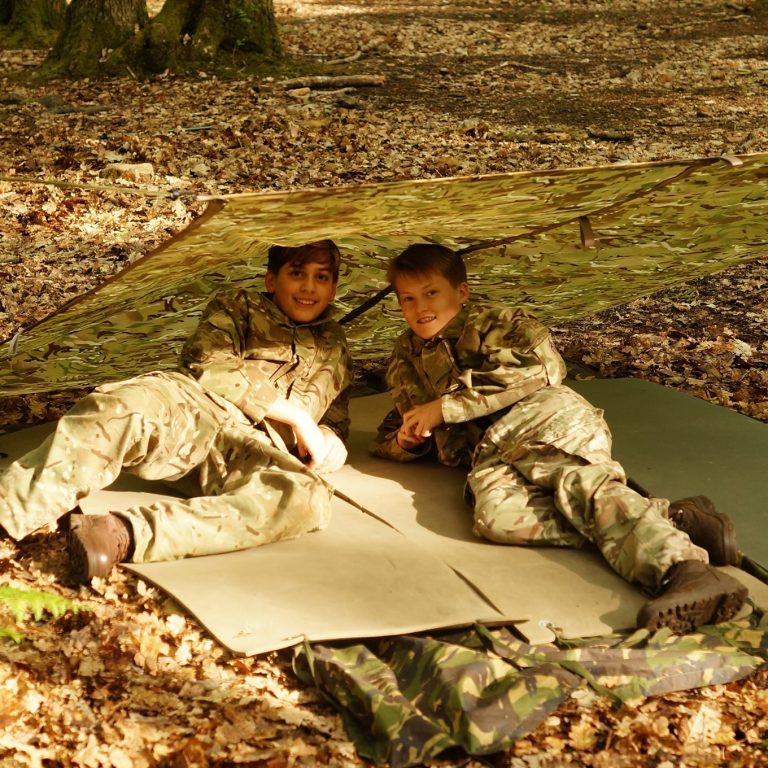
(406, 699)
(574, 241)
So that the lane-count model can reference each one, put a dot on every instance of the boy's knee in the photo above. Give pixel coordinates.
(118, 401)
(509, 523)
(589, 480)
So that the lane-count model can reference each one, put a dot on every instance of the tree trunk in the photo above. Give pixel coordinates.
(31, 23)
(92, 29)
(191, 33)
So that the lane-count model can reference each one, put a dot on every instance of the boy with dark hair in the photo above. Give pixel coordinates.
(481, 386)
(257, 409)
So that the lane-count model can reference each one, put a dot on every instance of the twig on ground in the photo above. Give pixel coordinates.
(334, 81)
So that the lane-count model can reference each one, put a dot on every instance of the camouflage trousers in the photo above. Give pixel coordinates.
(543, 475)
(163, 426)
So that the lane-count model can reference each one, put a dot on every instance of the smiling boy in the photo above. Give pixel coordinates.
(481, 386)
(256, 410)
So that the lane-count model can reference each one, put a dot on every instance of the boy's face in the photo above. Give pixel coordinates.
(429, 302)
(302, 291)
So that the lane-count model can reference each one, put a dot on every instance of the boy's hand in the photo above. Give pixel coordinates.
(336, 452)
(422, 419)
(310, 442)
(408, 441)
(313, 444)
(320, 447)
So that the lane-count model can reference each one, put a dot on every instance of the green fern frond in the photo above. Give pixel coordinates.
(23, 602)
(17, 637)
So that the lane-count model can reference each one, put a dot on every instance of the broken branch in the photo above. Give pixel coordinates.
(334, 81)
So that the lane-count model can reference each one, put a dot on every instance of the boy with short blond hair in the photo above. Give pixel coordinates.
(256, 410)
(480, 385)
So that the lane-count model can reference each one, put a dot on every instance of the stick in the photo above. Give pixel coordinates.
(333, 81)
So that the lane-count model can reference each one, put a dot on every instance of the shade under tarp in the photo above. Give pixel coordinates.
(575, 241)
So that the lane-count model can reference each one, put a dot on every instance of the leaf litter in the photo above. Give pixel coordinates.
(469, 87)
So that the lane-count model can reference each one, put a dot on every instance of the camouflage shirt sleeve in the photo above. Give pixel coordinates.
(215, 354)
(503, 355)
(336, 417)
(406, 390)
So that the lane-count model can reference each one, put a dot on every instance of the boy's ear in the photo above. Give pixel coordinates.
(269, 282)
(464, 291)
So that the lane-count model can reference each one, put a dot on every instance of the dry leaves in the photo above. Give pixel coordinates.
(471, 87)
(706, 338)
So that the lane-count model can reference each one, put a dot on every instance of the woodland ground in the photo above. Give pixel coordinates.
(471, 87)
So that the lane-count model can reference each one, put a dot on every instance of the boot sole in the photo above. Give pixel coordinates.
(688, 617)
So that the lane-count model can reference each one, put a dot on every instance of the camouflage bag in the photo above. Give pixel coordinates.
(406, 699)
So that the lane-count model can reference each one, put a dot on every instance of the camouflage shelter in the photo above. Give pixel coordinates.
(565, 243)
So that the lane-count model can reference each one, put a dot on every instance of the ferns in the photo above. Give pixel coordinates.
(21, 603)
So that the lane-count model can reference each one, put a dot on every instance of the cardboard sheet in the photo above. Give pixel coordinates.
(573, 592)
(413, 563)
(358, 578)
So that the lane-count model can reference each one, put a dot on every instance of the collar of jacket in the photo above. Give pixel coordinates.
(278, 316)
(450, 332)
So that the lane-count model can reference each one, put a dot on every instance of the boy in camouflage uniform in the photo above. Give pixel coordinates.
(481, 386)
(257, 409)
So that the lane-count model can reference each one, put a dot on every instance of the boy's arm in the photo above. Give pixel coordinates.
(387, 446)
(215, 355)
(404, 387)
(311, 440)
(516, 357)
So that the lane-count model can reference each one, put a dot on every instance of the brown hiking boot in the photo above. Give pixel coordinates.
(693, 594)
(96, 543)
(707, 528)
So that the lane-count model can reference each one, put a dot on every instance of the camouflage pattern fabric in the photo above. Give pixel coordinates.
(163, 426)
(246, 351)
(655, 224)
(405, 700)
(540, 455)
(409, 698)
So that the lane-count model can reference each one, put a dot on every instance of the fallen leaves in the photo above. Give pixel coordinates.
(711, 345)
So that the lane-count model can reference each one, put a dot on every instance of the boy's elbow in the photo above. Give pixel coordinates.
(379, 449)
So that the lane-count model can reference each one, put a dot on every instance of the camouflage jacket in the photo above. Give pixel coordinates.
(488, 358)
(246, 351)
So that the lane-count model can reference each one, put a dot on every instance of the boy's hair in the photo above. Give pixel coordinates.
(425, 259)
(320, 250)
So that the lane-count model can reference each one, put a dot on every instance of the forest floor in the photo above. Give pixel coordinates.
(470, 87)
